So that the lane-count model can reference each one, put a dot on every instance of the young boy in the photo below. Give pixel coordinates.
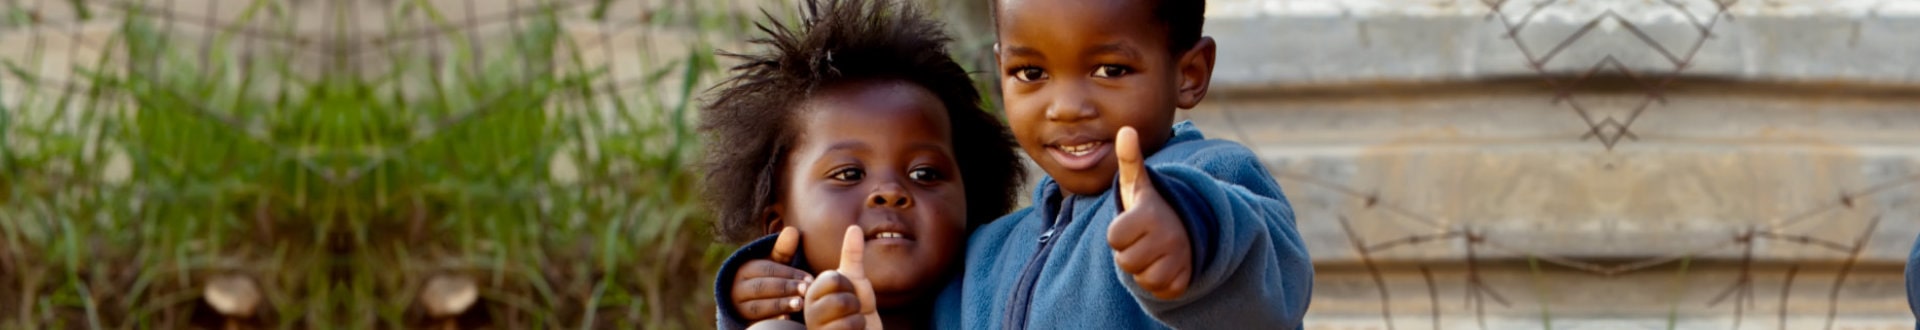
(1195, 235)
(856, 117)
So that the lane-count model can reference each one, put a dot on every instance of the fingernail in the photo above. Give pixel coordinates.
(802, 287)
(793, 304)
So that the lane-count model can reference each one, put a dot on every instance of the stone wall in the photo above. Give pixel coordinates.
(1597, 164)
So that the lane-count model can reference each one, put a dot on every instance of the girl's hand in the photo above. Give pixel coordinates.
(843, 298)
(769, 289)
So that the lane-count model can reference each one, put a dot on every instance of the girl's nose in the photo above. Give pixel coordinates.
(889, 195)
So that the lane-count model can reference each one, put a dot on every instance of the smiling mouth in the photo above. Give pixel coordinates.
(1078, 154)
(1080, 150)
(889, 230)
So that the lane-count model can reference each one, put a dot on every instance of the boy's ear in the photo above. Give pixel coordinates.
(1196, 73)
(774, 219)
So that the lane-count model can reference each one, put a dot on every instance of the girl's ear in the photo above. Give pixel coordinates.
(1196, 73)
(775, 222)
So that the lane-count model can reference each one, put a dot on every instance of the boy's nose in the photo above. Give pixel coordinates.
(1070, 104)
(889, 195)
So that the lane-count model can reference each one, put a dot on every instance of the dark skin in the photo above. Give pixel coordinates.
(1072, 79)
(876, 154)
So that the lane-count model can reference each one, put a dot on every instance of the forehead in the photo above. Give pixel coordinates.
(1128, 18)
(888, 107)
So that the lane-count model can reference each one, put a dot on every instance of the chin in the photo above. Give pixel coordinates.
(902, 293)
(1086, 187)
(894, 282)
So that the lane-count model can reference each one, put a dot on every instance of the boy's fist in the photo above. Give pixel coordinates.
(843, 298)
(768, 288)
(1149, 241)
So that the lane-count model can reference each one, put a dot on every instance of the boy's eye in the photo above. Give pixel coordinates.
(849, 174)
(1029, 74)
(1111, 71)
(924, 175)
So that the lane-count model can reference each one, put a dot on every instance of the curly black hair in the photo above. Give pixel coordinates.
(752, 116)
(1183, 19)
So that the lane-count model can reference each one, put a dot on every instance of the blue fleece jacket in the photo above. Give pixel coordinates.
(1049, 266)
(1913, 279)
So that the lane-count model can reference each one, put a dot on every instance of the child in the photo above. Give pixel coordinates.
(855, 117)
(1195, 235)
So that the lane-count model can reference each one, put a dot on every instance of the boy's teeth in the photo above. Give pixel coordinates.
(890, 235)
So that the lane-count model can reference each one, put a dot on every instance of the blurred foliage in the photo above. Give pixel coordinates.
(341, 174)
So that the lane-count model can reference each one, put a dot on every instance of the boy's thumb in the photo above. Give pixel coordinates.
(1126, 147)
(785, 246)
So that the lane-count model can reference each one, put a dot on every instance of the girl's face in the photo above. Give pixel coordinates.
(878, 154)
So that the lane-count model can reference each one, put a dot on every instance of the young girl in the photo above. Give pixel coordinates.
(855, 118)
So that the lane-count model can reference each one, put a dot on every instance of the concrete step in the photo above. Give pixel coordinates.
(1807, 173)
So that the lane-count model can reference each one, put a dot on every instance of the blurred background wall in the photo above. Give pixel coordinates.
(1586, 164)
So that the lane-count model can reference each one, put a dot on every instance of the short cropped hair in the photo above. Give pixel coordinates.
(1183, 18)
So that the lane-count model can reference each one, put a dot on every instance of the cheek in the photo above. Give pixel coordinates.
(820, 242)
(1148, 104)
(822, 250)
(947, 220)
(822, 217)
(1024, 118)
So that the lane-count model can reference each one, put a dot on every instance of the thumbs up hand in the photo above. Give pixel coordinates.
(843, 298)
(1149, 240)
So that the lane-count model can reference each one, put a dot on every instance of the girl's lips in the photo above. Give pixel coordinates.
(890, 234)
(1079, 157)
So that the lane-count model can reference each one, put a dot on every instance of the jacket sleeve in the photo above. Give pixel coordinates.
(1913, 280)
(728, 316)
(1250, 267)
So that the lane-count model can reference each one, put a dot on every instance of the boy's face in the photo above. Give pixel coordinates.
(878, 154)
(1073, 72)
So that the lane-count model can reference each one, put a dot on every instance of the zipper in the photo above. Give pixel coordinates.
(1030, 274)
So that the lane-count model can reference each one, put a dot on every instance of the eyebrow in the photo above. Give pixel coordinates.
(860, 146)
(1024, 51)
(1114, 48)
(847, 146)
(924, 146)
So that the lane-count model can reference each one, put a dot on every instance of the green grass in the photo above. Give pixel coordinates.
(342, 191)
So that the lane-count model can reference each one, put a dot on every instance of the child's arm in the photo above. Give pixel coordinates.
(1246, 265)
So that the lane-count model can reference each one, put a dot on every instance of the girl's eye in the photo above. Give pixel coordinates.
(848, 175)
(1029, 74)
(1111, 71)
(924, 175)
